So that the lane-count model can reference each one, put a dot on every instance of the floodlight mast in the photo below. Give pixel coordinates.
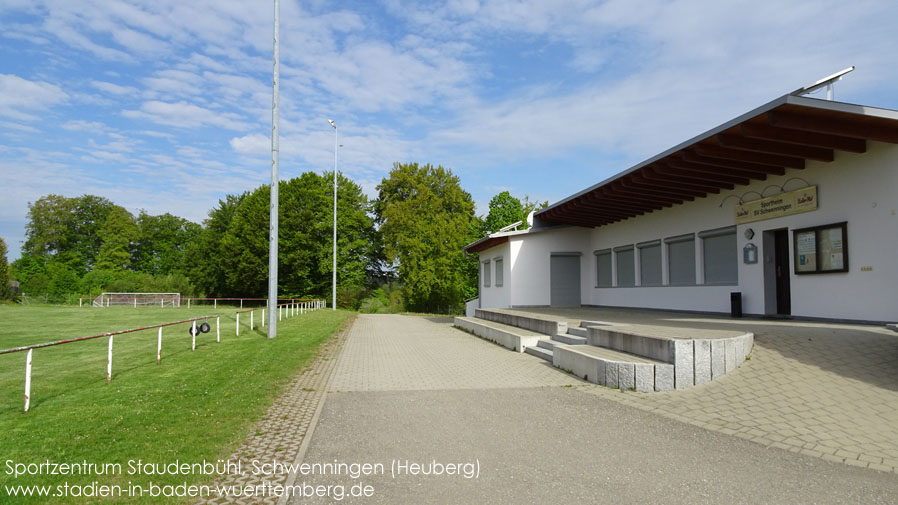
(273, 208)
(334, 299)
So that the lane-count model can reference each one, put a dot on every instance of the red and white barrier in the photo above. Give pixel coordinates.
(29, 349)
(28, 379)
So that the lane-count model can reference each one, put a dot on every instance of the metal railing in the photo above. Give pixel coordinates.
(292, 308)
(30, 348)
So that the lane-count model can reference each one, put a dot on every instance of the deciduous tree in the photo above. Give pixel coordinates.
(118, 235)
(5, 290)
(425, 218)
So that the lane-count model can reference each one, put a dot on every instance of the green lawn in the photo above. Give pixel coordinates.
(195, 406)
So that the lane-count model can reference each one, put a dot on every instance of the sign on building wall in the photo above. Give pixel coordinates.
(783, 204)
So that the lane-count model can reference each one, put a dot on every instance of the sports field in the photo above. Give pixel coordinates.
(194, 406)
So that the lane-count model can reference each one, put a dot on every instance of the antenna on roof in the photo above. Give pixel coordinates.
(826, 81)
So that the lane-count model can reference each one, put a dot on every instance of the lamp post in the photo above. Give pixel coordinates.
(334, 300)
(273, 203)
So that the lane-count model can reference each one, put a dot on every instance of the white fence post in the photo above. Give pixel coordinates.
(135, 302)
(263, 318)
(238, 324)
(28, 380)
(218, 329)
(188, 303)
(279, 312)
(162, 303)
(109, 361)
(241, 303)
(216, 303)
(251, 319)
(193, 336)
(159, 347)
(79, 302)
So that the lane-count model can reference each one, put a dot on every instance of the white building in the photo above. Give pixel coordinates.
(792, 205)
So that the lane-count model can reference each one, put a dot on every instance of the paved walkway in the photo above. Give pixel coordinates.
(825, 390)
(279, 435)
(409, 388)
(392, 353)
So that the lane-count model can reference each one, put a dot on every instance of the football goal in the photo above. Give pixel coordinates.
(138, 299)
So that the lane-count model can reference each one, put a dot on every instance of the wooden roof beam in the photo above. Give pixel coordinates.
(744, 168)
(772, 160)
(880, 129)
(613, 206)
(635, 199)
(579, 219)
(806, 138)
(647, 176)
(774, 147)
(662, 188)
(607, 211)
(630, 189)
(704, 173)
(710, 169)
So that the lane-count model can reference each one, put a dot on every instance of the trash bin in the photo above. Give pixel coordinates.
(736, 304)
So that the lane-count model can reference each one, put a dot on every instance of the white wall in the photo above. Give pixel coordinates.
(530, 266)
(496, 296)
(861, 189)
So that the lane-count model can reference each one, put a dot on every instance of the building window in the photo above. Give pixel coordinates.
(486, 274)
(603, 269)
(626, 268)
(500, 274)
(720, 256)
(650, 263)
(681, 260)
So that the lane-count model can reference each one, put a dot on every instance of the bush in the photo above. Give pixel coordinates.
(377, 302)
(350, 297)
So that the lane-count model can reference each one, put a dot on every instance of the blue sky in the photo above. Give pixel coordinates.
(165, 105)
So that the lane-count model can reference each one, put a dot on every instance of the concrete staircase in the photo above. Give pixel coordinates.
(611, 355)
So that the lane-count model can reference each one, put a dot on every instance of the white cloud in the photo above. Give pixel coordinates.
(79, 125)
(20, 97)
(18, 127)
(185, 115)
(253, 143)
(114, 89)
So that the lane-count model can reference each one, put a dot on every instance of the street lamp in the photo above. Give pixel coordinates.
(334, 301)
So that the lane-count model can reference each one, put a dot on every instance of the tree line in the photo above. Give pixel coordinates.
(399, 251)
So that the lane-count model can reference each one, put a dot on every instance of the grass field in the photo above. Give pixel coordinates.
(197, 405)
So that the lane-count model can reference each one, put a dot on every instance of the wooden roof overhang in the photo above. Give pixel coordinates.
(485, 243)
(783, 134)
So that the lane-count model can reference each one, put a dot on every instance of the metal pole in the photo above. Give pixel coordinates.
(273, 211)
(335, 216)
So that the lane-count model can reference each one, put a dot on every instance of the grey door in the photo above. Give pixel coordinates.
(565, 280)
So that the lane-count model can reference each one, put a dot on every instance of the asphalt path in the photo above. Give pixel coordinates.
(419, 392)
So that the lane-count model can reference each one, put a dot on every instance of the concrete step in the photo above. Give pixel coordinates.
(532, 322)
(577, 332)
(540, 352)
(612, 368)
(549, 344)
(511, 337)
(587, 324)
(569, 339)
